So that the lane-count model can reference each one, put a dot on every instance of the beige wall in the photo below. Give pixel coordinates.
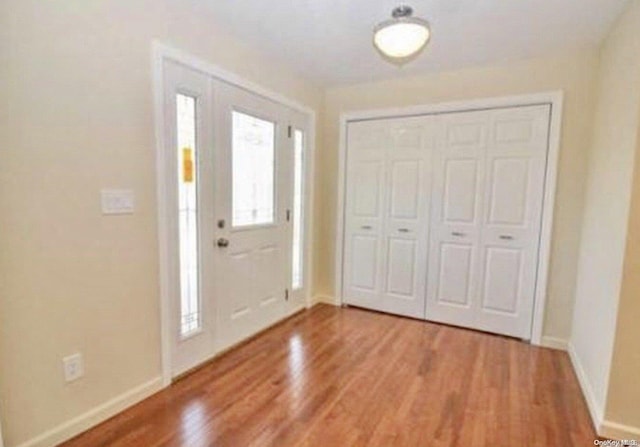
(76, 116)
(623, 399)
(604, 231)
(574, 73)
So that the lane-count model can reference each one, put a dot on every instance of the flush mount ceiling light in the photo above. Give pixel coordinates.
(403, 36)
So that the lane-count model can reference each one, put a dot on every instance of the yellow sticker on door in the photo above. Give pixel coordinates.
(187, 165)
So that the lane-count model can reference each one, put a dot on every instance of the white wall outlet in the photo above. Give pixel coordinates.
(117, 201)
(73, 367)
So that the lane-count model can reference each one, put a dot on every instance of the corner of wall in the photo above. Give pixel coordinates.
(595, 408)
(324, 299)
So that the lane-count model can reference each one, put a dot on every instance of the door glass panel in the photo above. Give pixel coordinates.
(298, 203)
(253, 160)
(190, 308)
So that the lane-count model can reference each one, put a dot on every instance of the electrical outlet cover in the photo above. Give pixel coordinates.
(73, 367)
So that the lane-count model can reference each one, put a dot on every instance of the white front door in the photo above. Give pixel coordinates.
(487, 196)
(235, 189)
(387, 211)
(253, 174)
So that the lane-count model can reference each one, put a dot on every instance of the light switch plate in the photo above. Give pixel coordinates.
(117, 201)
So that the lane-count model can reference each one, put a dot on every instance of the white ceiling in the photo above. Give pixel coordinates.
(329, 41)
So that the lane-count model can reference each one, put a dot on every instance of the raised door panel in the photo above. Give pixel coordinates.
(268, 293)
(405, 192)
(454, 277)
(363, 265)
(502, 280)
(401, 270)
(467, 129)
(237, 311)
(459, 195)
(509, 182)
(367, 177)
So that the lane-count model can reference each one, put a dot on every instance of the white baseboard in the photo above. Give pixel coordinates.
(98, 414)
(595, 409)
(613, 430)
(554, 343)
(326, 299)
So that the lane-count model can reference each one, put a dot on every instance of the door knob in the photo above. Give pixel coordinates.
(222, 242)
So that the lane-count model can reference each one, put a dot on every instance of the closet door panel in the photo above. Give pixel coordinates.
(456, 220)
(364, 217)
(406, 215)
(387, 207)
(516, 160)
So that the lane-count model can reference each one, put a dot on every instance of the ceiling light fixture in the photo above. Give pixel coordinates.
(403, 36)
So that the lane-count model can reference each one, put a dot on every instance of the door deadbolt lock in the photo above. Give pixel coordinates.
(222, 242)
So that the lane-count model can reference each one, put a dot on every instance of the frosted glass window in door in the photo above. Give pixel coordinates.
(253, 166)
(190, 306)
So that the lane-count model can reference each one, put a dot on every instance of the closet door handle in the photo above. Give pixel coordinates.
(404, 230)
(366, 227)
(506, 237)
(458, 234)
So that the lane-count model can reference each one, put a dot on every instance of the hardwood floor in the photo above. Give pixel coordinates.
(348, 377)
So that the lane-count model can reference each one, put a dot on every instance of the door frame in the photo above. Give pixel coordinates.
(159, 54)
(555, 99)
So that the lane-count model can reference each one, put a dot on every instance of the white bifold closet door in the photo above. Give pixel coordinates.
(487, 206)
(387, 214)
(443, 215)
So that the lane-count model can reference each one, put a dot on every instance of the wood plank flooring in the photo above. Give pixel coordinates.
(349, 377)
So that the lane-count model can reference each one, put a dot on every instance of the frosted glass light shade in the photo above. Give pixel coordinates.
(400, 38)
